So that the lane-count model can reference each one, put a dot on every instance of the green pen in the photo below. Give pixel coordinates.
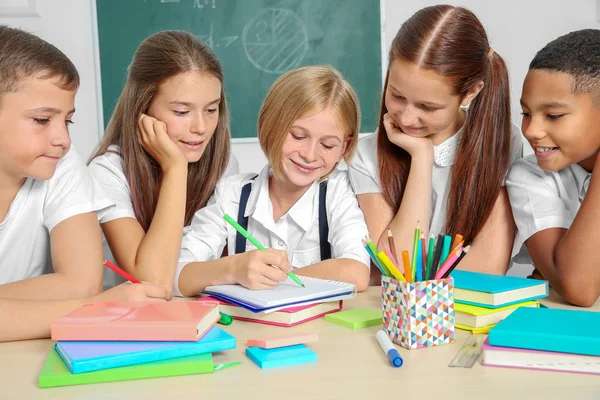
(255, 242)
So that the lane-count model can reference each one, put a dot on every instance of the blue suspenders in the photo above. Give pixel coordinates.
(240, 241)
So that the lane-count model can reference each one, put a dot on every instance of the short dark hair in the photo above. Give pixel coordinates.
(576, 54)
(23, 54)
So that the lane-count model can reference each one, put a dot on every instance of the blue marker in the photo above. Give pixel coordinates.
(389, 349)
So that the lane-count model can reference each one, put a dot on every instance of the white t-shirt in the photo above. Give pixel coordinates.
(296, 232)
(38, 207)
(543, 199)
(364, 172)
(107, 169)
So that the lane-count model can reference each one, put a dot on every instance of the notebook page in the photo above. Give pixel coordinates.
(285, 293)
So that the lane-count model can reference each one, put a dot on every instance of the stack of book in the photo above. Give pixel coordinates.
(482, 300)
(546, 339)
(285, 317)
(105, 342)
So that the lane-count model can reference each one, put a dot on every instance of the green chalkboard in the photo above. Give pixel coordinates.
(256, 41)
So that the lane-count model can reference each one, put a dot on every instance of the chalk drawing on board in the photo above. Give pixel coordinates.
(275, 40)
(202, 3)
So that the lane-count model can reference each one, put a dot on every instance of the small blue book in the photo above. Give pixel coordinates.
(494, 291)
(94, 356)
(549, 329)
(281, 356)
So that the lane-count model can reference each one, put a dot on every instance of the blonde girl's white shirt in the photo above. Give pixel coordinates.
(543, 199)
(40, 206)
(364, 171)
(296, 232)
(107, 169)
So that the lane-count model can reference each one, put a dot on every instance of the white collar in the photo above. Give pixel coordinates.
(444, 153)
(304, 212)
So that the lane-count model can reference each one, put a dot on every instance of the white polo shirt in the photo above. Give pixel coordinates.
(364, 171)
(543, 199)
(39, 206)
(107, 169)
(297, 231)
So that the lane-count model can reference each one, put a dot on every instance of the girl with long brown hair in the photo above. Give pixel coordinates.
(163, 152)
(444, 141)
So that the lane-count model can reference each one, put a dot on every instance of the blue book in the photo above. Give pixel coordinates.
(494, 291)
(281, 356)
(549, 329)
(94, 356)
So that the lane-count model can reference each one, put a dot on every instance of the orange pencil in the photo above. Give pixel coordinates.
(457, 239)
(407, 269)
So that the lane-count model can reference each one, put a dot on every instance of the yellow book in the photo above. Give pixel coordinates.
(484, 330)
(478, 317)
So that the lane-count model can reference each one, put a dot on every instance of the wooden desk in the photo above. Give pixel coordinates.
(351, 366)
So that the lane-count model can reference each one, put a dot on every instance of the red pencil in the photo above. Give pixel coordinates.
(119, 271)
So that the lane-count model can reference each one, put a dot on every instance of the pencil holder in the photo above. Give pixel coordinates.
(418, 314)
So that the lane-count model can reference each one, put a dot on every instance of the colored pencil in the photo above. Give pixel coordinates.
(455, 264)
(429, 256)
(388, 252)
(392, 246)
(457, 239)
(419, 266)
(445, 249)
(423, 257)
(436, 256)
(375, 251)
(374, 259)
(451, 259)
(413, 262)
(390, 266)
(407, 269)
(119, 271)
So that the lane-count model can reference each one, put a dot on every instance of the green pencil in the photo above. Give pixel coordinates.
(414, 254)
(429, 257)
(255, 242)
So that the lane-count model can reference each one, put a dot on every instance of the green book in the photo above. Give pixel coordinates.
(357, 318)
(56, 373)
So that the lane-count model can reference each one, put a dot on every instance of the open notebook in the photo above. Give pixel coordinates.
(285, 294)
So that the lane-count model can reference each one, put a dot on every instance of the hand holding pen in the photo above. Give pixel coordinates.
(259, 259)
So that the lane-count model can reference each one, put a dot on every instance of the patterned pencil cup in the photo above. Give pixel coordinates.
(418, 314)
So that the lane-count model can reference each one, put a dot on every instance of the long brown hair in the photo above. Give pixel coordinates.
(158, 58)
(452, 42)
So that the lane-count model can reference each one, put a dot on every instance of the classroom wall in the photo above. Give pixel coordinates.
(517, 29)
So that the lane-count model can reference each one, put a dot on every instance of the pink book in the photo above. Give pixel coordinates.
(509, 357)
(144, 321)
(286, 317)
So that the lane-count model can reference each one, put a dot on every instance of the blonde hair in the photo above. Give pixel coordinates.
(159, 57)
(303, 91)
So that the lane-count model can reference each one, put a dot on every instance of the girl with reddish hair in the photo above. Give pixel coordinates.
(444, 141)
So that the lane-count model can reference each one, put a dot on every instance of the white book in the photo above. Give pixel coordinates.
(285, 294)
